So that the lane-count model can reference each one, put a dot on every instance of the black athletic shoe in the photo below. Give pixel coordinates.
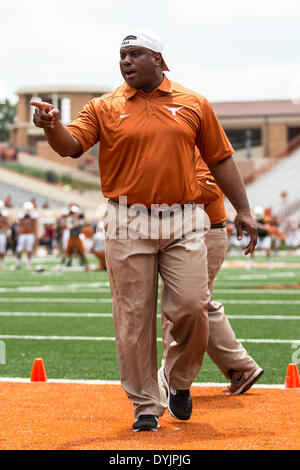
(146, 423)
(180, 403)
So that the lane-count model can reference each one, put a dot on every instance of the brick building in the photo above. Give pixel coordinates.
(68, 99)
(259, 129)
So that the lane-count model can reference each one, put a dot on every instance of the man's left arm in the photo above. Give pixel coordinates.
(230, 181)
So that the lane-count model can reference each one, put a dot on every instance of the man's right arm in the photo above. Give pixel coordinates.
(59, 137)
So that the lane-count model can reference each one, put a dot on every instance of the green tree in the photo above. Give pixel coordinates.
(7, 116)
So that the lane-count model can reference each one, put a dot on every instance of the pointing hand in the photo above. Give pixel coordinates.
(45, 115)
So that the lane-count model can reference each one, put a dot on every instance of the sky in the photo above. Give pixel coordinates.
(226, 50)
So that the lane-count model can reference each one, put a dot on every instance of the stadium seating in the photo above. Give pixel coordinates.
(19, 195)
(266, 190)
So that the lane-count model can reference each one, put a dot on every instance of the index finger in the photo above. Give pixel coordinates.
(38, 104)
(41, 105)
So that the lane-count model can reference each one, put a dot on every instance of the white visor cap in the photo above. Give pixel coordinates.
(147, 39)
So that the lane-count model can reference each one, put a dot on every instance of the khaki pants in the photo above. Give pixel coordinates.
(223, 347)
(133, 267)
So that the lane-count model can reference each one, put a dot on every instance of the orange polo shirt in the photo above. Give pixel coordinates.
(209, 192)
(147, 141)
(216, 210)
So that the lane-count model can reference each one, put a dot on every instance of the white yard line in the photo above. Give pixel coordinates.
(54, 283)
(109, 300)
(259, 276)
(117, 382)
(111, 338)
(100, 315)
(60, 338)
(54, 314)
(263, 291)
(54, 300)
(271, 341)
(59, 288)
(106, 290)
(260, 302)
(261, 317)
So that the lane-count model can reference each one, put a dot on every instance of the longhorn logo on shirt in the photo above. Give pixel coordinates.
(173, 110)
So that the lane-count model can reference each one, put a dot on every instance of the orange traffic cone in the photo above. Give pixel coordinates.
(38, 373)
(292, 379)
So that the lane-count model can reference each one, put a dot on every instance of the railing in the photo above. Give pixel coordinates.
(287, 149)
(274, 160)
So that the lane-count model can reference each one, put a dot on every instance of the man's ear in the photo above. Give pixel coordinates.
(158, 59)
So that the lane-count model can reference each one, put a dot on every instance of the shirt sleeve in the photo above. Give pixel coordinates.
(211, 140)
(86, 127)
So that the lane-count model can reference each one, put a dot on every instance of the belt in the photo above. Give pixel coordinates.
(220, 225)
(159, 212)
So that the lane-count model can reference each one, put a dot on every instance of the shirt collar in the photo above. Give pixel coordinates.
(165, 86)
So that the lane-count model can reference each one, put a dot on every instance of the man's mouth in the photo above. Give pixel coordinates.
(129, 73)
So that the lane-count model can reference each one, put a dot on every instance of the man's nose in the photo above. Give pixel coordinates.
(126, 60)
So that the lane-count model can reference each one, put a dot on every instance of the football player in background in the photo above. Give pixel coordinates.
(4, 231)
(27, 233)
(98, 248)
(61, 224)
(264, 238)
(74, 224)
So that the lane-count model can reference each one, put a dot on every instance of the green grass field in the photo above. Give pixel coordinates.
(65, 318)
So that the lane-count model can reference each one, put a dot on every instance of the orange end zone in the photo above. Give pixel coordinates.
(59, 416)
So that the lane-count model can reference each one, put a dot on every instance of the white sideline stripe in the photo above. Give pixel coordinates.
(105, 290)
(283, 341)
(54, 283)
(258, 291)
(112, 338)
(109, 315)
(117, 382)
(54, 314)
(256, 282)
(261, 302)
(242, 277)
(47, 288)
(63, 338)
(98, 290)
(50, 289)
(109, 301)
(261, 317)
(55, 288)
(54, 300)
(106, 283)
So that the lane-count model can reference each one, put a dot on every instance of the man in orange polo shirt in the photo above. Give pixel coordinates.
(148, 129)
(223, 348)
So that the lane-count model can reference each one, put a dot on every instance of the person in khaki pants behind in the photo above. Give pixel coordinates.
(223, 348)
